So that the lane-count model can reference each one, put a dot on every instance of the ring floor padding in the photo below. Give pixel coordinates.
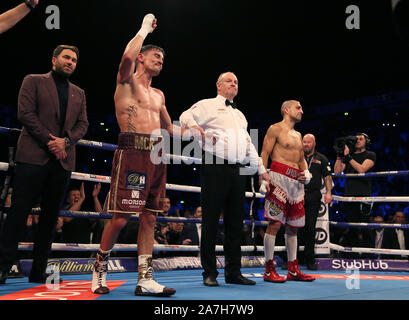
(330, 285)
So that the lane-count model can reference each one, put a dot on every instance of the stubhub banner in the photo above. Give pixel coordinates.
(362, 264)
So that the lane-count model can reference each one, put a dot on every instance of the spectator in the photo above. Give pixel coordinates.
(82, 230)
(259, 235)
(188, 214)
(397, 238)
(191, 232)
(374, 237)
(161, 233)
(174, 232)
(161, 227)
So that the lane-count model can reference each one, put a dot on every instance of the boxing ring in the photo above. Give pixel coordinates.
(336, 279)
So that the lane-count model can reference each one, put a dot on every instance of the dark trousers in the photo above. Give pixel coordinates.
(223, 190)
(30, 183)
(355, 212)
(312, 202)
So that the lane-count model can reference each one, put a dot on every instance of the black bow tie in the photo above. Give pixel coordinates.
(228, 103)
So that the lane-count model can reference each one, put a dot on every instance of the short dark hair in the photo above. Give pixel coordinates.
(367, 139)
(149, 47)
(62, 47)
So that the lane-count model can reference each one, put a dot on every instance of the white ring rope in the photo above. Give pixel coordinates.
(178, 187)
(106, 179)
(368, 250)
(135, 217)
(372, 174)
(371, 199)
(27, 246)
(370, 225)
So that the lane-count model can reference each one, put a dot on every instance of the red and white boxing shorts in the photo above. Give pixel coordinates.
(285, 200)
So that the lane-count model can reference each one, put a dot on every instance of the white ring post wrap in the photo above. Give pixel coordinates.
(146, 25)
(308, 176)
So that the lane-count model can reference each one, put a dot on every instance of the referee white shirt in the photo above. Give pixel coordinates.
(225, 130)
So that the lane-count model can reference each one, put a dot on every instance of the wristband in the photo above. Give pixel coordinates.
(143, 33)
(308, 176)
(347, 158)
(263, 187)
(260, 167)
(28, 4)
(146, 26)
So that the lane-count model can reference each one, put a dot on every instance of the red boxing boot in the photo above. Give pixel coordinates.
(294, 273)
(271, 275)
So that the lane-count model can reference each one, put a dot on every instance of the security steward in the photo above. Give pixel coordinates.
(321, 175)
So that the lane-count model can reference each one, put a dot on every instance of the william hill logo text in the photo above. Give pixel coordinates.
(78, 266)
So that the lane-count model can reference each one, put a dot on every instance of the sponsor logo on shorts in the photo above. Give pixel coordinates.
(292, 173)
(280, 194)
(135, 181)
(133, 202)
(274, 210)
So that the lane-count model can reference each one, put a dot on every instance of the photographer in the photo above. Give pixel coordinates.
(354, 158)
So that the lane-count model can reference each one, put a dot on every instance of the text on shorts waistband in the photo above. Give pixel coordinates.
(285, 170)
(138, 141)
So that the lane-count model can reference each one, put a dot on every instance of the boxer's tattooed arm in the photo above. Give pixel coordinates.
(131, 114)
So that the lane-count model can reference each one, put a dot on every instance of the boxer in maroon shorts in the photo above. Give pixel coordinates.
(138, 174)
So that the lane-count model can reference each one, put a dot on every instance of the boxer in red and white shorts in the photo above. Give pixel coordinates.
(284, 193)
(285, 200)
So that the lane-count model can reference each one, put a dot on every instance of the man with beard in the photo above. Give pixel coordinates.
(284, 200)
(321, 174)
(53, 113)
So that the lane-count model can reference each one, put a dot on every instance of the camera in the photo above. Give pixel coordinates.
(349, 141)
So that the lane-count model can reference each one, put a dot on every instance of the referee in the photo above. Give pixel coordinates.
(318, 166)
(226, 147)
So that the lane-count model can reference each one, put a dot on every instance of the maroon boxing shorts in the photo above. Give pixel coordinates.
(138, 179)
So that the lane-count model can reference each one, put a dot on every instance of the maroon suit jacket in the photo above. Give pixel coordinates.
(39, 113)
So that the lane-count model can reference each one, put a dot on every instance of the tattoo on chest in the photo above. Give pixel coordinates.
(131, 114)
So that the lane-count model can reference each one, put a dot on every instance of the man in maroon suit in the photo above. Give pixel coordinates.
(52, 111)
